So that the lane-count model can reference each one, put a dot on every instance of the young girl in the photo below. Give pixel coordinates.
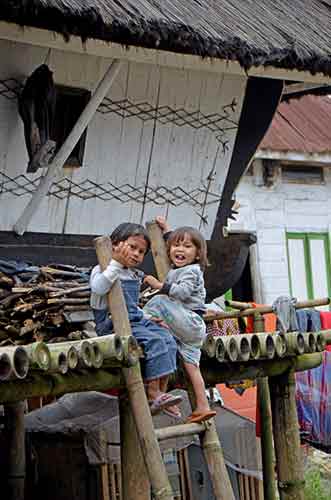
(130, 243)
(182, 305)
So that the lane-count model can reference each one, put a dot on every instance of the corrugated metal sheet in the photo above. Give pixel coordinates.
(301, 125)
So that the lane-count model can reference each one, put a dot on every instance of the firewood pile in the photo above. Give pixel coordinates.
(49, 303)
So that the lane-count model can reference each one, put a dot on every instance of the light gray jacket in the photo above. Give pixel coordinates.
(186, 284)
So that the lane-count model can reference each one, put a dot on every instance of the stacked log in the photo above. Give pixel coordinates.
(48, 303)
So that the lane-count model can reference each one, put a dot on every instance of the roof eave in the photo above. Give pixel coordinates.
(44, 38)
(322, 158)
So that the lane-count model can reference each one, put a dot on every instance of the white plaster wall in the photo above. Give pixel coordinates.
(120, 150)
(271, 212)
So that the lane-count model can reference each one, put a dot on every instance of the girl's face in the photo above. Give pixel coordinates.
(183, 252)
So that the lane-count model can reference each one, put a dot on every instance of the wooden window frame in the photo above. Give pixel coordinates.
(302, 167)
(84, 95)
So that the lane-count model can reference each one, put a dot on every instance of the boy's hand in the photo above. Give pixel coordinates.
(121, 253)
(153, 282)
(162, 223)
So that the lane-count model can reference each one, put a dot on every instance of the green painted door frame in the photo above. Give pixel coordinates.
(306, 238)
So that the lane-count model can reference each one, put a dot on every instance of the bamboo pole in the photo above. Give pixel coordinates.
(54, 384)
(39, 355)
(67, 147)
(19, 360)
(286, 437)
(209, 439)
(265, 309)
(295, 343)
(215, 373)
(111, 346)
(180, 430)
(5, 367)
(142, 416)
(15, 440)
(309, 341)
(267, 450)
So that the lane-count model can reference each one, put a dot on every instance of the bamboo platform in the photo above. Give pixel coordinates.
(110, 362)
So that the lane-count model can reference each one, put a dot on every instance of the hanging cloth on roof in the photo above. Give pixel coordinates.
(36, 105)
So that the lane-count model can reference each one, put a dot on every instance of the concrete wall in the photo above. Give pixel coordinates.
(273, 211)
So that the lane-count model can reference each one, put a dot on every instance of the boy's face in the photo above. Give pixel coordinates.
(130, 252)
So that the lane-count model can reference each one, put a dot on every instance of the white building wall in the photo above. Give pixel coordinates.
(273, 211)
(130, 156)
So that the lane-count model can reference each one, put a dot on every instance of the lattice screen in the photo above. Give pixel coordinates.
(22, 185)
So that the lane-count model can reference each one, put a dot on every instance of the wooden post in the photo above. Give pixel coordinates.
(132, 462)
(15, 437)
(67, 147)
(142, 416)
(286, 437)
(209, 439)
(267, 450)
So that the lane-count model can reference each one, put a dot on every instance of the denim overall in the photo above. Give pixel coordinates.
(160, 348)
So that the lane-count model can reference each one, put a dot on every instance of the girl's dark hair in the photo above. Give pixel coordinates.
(197, 240)
(127, 229)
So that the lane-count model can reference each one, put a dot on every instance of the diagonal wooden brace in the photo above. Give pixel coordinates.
(156, 470)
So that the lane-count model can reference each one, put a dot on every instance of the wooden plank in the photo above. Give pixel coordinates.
(104, 482)
(241, 486)
(188, 474)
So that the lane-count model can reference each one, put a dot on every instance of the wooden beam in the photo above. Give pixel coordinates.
(289, 461)
(44, 38)
(135, 483)
(15, 441)
(66, 149)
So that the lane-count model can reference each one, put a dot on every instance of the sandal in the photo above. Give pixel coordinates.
(164, 401)
(200, 417)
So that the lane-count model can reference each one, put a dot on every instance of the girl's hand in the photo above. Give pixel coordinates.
(160, 322)
(121, 253)
(153, 282)
(162, 223)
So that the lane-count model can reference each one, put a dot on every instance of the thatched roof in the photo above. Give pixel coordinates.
(291, 34)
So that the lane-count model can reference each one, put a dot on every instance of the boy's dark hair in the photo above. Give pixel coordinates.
(127, 229)
(197, 239)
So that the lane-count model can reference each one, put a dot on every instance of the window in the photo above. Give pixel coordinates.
(70, 102)
(309, 265)
(302, 174)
